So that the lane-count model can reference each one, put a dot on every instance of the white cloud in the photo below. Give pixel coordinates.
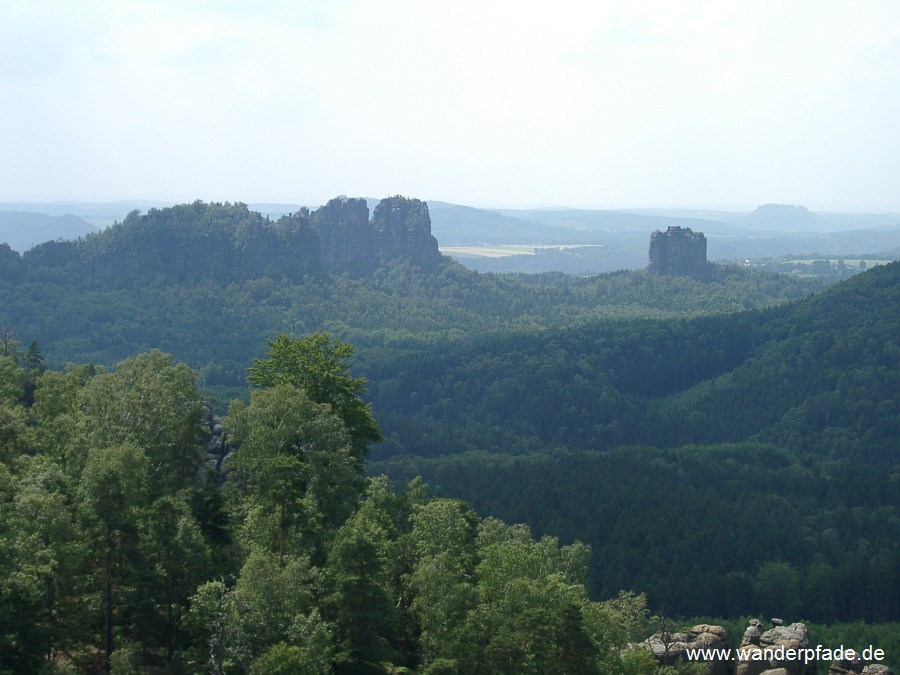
(607, 102)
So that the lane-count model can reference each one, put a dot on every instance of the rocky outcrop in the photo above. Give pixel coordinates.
(402, 229)
(215, 443)
(762, 650)
(228, 242)
(877, 669)
(856, 667)
(678, 251)
(345, 235)
(399, 228)
(670, 648)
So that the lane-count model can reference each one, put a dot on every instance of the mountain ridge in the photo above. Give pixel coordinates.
(192, 242)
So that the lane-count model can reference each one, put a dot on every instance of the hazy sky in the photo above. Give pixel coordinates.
(721, 103)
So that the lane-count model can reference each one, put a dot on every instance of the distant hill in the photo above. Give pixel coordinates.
(783, 218)
(618, 239)
(589, 222)
(456, 225)
(595, 241)
(99, 214)
(23, 230)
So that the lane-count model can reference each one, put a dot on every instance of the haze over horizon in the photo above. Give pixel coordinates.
(604, 104)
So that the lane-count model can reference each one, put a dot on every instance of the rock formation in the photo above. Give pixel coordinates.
(670, 648)
(402, 228)
(215, 444)
(678, 251)
(877, 669)
(228, 242)
(345, 235)
(761, 649)
(855, 667)
(759, 645)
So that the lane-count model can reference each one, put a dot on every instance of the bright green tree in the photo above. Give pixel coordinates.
(530, 599)
(364, 616)
(112, 493)
(58, 435)
(297, 468)
(171, 538)
(153, 403)
(443, 576)
(318, 364)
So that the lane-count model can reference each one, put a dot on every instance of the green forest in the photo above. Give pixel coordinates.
(123, 551)
(429, 468)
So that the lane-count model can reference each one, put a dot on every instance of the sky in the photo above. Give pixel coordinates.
(597, 104)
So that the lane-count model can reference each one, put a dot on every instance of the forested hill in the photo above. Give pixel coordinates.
(229, 242)
(816, 375)
(725, 465)
(210, 283)
(716, 441)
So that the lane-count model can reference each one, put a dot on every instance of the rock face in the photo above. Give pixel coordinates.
(345, 236)
(763, 647)
(402, 228)
(228, 242)
(215, 445)
(678, 251)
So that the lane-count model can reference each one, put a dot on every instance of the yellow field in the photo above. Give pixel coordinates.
(487, 251)
(503, 250)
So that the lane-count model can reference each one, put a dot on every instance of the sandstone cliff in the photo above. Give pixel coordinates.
(228, 242)
(678, 251)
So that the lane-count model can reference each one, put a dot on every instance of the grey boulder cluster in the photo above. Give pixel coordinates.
(756, 645)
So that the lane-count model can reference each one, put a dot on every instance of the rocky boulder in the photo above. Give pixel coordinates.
(877, 669)
(856, 667)
(763, 649)
(670, 648)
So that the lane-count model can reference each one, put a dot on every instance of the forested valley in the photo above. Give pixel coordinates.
(428, 468)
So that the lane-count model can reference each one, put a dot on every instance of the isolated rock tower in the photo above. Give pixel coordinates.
(678, 251)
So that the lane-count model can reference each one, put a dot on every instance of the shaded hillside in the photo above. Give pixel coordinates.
(806, 374)
(725, 465)
(824, 380)
(724, 530)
